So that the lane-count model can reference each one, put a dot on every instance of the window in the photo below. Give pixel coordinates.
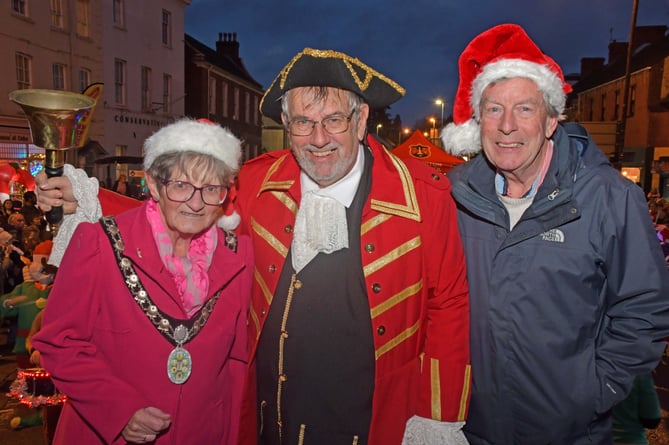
(146, 88)
(167, 93)
(591, 107)
(224, 98)
(630, 112)
(616, 109)
(119, 13)
(84, 79)
(82, 18)
(235, 94)
(255, 110)
(602, 114)
(212, 95)
(23, 64)
(58, 76)
(57, 13)
(247, 107)
(20, 7)
(167, 28)
(119, 81)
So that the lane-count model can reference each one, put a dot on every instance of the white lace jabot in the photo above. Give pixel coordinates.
(320, 225)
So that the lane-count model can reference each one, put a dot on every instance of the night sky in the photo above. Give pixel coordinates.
(416, 43)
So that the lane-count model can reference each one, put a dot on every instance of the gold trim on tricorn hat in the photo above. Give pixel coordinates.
(327, 68)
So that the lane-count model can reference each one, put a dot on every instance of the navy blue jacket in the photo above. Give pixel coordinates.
(568, 306)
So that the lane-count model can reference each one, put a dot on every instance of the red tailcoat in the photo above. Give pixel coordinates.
(414, 271)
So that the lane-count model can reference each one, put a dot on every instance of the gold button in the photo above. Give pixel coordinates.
(298, 284)
(288, 228)
(435, 176)
(376, 288)
(272, 268)
(369, 248)
(283, 377)
(381, 330)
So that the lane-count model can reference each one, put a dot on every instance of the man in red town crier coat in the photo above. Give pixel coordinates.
(359, 322)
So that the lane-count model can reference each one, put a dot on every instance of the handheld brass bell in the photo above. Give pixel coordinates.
(56, 121)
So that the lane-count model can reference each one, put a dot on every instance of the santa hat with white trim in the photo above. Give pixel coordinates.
(200, 136)
(502, 52)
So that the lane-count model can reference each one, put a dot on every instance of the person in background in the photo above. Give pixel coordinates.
(6, 210)
(359, 319)
(568, 286)
(29, 209)
(121, 185)
(152, 305)
(638, 412)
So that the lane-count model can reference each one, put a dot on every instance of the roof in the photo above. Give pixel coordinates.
(420, 148)
(225, 62)
(646, 55)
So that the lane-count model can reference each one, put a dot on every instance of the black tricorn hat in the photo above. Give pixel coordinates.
(328, 68)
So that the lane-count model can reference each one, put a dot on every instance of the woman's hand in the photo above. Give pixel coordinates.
(54, 192)
(145, 425)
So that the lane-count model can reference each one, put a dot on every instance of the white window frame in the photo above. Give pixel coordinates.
(84, 79)
(120, 67)
(167, 93)
(58, 76)
(145, 85)
(23, 70)
(20, 7)
(118, 13)
(166, 28)
(57, 14)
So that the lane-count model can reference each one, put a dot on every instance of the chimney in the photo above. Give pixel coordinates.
(590, 65)
(617, 51)
(227, 45)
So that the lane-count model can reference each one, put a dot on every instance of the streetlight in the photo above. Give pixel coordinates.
(399, 137)
(442, 103)
(377, 128)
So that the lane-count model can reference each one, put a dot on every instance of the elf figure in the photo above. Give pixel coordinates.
(27, 299)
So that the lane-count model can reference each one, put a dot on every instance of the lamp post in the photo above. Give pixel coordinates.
(399, 137)
(442, 103)
(377, 128)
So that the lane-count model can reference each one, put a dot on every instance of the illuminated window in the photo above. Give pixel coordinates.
(57, 13)
(82, 18)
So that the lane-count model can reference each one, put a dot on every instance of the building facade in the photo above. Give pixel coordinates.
(222, 90)
(597, 102)
(134, 50)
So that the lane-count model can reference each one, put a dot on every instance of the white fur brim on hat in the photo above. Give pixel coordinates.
(465, 139)
(191, 135)
(229, 222)
(461, 140)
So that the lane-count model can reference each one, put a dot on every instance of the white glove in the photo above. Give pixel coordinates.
(422, 431)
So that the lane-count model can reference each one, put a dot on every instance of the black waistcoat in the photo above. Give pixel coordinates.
(327, 352)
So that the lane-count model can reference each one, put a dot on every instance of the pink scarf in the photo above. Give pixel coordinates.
(189, 273)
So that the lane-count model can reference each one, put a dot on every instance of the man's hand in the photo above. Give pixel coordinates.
(54, 192)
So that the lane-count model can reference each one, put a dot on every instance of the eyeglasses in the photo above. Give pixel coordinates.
(334, 124)
(182, 191)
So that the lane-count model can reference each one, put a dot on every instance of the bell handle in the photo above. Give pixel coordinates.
(55, 215)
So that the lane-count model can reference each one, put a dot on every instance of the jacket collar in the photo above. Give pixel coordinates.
(389, 175)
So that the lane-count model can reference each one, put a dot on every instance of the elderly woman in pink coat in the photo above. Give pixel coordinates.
(145, 329)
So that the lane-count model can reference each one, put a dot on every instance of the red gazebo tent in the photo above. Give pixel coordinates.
(419, 147)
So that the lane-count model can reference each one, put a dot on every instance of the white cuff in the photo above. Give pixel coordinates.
(422, 431)
(85, 191)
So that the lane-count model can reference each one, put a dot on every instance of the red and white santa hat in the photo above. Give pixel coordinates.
(502, 52)
(200, 136)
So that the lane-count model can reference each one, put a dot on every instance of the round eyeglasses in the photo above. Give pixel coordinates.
(182, 191)
(333, 124)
